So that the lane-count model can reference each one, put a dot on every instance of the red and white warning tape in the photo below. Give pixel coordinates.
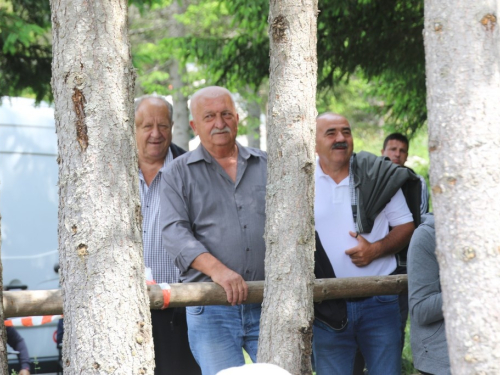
(30, 321)
(165, 288)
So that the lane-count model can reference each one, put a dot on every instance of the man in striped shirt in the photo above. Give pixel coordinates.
(153, 121)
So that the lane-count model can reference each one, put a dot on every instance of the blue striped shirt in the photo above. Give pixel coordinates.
(155, 256)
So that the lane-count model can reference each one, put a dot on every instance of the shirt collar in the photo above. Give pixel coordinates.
(319, 173)
(167, 160)
(201, 153)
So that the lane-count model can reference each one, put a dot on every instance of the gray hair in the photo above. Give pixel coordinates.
(139, 100)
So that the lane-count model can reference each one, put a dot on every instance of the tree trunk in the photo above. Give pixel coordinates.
(462, 45)
(182, 133)
(253, 123)
(99, 209)
(286, 323)
(3, 337)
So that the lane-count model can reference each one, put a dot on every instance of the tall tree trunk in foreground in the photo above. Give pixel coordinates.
(462, 47)
(3, 337)
(286, 323)
(106, 311)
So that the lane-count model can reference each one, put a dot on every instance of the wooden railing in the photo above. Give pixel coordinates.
(49, 302)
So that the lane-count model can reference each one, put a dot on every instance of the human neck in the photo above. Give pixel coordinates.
(150, 169)
(227, 159)
(224, 152)
(335, 171)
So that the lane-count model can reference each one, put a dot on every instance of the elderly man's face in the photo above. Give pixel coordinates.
(334, 142)
(215, 120)
(153, 130)
(397, 151)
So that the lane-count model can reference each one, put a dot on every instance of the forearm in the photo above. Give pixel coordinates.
(233, 284)
(207, 264)
(395, 240)
(429, 309)
(24, 357)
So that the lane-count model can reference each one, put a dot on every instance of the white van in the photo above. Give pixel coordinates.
(28, 205)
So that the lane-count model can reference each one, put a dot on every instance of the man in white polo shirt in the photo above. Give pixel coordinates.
(358, 200)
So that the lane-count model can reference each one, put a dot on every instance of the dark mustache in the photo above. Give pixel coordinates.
(339, 145)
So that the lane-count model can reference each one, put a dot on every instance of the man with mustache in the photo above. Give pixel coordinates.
(153, 130)
(212, 218)
(358, 199)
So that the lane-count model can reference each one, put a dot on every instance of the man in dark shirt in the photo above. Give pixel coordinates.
(212, 217)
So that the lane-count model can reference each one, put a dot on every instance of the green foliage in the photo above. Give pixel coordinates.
(407, 360)
(25, 47)
(237, 56)
(228, 43)
(25, 61)
(382, 40)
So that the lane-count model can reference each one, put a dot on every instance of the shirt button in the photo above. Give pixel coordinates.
(247, 249)
(240, 207)
(244, 226)
(247, 271)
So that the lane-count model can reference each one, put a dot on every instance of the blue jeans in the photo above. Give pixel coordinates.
(217, 335)
(374, 325)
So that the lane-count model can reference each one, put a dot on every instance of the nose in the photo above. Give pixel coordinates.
(155, 131)
(340, 137)
(219, 122)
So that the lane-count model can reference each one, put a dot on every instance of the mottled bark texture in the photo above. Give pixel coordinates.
(286, 323)
(462, 47)
(106, 310)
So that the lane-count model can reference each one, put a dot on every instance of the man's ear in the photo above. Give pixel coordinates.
(382, 152)
(191, 123)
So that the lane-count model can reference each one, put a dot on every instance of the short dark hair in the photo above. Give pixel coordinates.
(139, 100)
(397, 137)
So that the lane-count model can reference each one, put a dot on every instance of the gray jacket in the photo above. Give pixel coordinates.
(376, 180)
(428, 339)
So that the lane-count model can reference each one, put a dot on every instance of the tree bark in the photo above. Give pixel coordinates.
(3, 336)
(182, 133)
(287, 316)
(106, 311)
(462, 46)
(253, 123)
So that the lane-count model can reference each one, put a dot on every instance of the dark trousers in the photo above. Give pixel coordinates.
(172, 353)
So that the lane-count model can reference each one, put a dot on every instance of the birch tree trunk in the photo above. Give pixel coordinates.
(3, 336)
(286, 323)
(462, 47)
(99, 209)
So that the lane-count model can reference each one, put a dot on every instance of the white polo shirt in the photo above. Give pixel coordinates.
(333, 216)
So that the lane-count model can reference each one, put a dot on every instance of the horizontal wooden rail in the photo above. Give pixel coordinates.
(49, 302)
